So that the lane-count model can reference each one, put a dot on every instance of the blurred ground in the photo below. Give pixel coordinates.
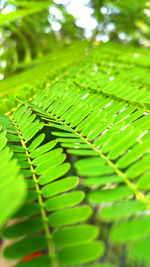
(4, 262)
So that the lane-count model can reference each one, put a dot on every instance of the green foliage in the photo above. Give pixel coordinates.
(74, 150)
(13, 189)
(105, 137)
(27, 33)
(28, 9)
(126, 21)
(49, 68)
(45, 164)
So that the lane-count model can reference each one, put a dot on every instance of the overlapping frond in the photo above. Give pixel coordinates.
(117, 71)
(114, 138)
(83, 147)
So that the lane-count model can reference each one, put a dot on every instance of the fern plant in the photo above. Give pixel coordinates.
(75, 173)
(47, 163)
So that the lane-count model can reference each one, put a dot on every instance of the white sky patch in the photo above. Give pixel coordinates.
(3, 63)
(56, 26)
(56, 12)
(88, 33)
(103, 10)
(82, 13)
(2, 2)
(1, 76)
(102, 37)
(8, 9)
(79, 9)
(147, 12)
(111, 27)
(1, 50)
(122, 35)
(63, 2)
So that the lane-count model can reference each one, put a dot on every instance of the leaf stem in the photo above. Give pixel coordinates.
(51, 247)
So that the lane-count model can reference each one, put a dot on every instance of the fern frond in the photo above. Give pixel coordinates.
(102, 127)
(49, 198)
(27, 84)
(116, 135)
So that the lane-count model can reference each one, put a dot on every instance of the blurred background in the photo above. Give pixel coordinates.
(31, 29)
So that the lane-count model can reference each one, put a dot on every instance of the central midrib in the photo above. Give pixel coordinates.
(51, 247)
(139, 195)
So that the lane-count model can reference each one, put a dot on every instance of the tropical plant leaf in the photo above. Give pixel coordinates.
(45, 165)
(109, 142)
(82, 144)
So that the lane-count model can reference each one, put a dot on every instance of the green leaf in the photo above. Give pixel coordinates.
(82, 152)
(13, 138)
(110, 195)
(74, 235)
(139, 167)
(36, 142)
(23, 228)
(93, 167)
(75, 145)
(69, 216)
(28, 209)
(92, 162)
(43, 261)
(50, 164)
(102, 180)
(144, 182)
(60, 186)
(121, 210)
(64, 134)
(80, 254)
(131, 230)
(15, 148)
(64, 201)
(134, 154)
(95, 119)
(42, 149)
(25, 247)
(54, 174)
(47, 156)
